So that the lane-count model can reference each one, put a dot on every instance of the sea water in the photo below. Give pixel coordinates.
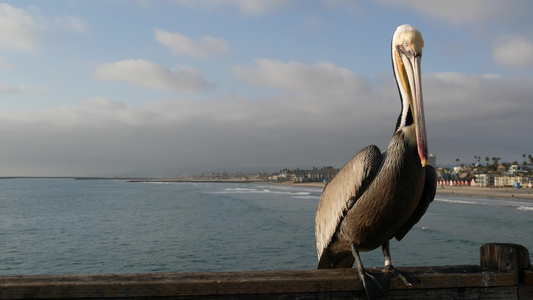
(65, 226)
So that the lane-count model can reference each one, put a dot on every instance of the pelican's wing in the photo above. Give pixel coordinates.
(342, 192)
(430, 187)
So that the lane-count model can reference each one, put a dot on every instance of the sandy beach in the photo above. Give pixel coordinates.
(502, 193)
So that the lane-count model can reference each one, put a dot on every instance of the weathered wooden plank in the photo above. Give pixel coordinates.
(506, 257)
(525, 290)
(528, 277)
(315, 282)
(504, 274)
(495, 293)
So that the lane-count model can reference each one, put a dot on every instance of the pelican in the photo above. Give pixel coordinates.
(377, 196)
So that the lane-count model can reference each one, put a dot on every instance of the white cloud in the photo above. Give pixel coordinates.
(21, 89)
(19, 29)
(348, 5)
(249, 7)
(467, 115)
(464, 12)
(486, 115)
(144, 73)
(513, 52)
(322, 78)
(25, 29)
(182, 45)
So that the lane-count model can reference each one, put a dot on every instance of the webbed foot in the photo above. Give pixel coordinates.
(408, 279)
(376, 284)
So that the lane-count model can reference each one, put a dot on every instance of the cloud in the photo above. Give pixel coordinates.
(147, 74)
(471, 115)
(102, 136)
(322, 78)
(513, 52)
(21, 89)
(19, 29)
(465, 12)
(347, 5)
(182, 45)
(248, 7)
(467, 115)
(25, 29)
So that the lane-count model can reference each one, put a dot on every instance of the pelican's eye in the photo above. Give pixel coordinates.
(407, 49)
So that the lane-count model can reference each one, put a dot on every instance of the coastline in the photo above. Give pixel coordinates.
(471, 191)
(508, 193)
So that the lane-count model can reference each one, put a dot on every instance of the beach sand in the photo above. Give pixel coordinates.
(473, 191)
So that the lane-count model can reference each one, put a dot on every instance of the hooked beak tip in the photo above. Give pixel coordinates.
(424, 162)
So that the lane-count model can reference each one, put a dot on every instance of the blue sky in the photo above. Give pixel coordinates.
(162, 87)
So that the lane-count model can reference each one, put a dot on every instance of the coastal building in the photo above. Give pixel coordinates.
(432, 160)
(486, 180)
(282, 176)
(512, 181)
(316, 175)
(518, 169)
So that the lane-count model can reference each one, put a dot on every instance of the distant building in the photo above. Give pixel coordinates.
(315, 175)
(486, 180)
(511, 181)
(432, 160)
(518, 169)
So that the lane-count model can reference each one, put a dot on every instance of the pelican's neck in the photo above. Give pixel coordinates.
(409, 134)
(401, 148)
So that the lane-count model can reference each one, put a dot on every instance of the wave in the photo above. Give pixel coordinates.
(496, 203)
(525, 208)
(260, 191)
(459, 201)
(307, 197)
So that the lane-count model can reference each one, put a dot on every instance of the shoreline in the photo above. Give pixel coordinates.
(508, 193)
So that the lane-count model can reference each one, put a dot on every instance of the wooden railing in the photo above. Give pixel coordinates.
(504, 273)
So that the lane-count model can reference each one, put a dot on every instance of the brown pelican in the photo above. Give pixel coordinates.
(377, 196)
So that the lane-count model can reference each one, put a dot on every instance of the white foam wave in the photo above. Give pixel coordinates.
(307, 197)
(525, 208)
(457, 201)
(260, 191)
(498, 203)
(239, 190)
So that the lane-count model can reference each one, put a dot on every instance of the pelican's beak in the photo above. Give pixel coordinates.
(417, 106)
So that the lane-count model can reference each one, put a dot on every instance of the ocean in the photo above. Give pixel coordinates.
(66, 226)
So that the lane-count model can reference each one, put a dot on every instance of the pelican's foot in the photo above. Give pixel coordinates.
(408, 279)
(376, 284)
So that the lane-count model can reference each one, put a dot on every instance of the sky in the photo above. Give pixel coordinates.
(181, 87)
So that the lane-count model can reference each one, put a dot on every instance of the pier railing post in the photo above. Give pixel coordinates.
(506, 257)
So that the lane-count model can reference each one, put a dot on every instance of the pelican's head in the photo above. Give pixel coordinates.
(407, 44)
